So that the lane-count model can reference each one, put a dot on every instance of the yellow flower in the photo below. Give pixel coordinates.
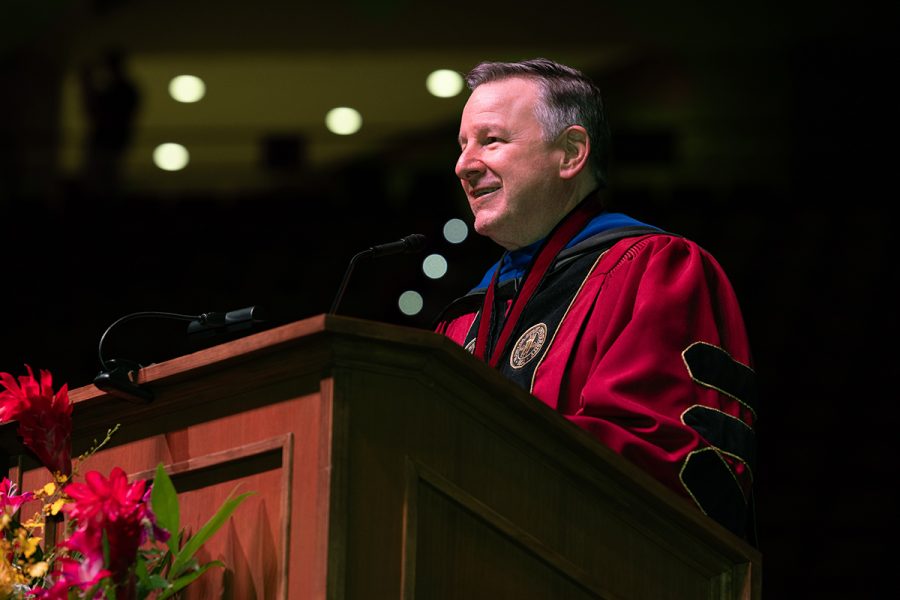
(38, 569)
(6, 589)
(57, 506)
(9, 577)
(30, 546)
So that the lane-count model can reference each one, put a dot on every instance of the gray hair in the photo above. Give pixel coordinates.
(567, 97)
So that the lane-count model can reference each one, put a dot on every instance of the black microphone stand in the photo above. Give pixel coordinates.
(409, 244)
(340, 292)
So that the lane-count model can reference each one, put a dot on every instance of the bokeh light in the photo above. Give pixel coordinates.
(434, 266)
(410, 302)
(455, 231)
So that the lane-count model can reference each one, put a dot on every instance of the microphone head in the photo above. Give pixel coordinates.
(414, 242)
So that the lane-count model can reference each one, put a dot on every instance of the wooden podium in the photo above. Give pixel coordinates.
(388, 463)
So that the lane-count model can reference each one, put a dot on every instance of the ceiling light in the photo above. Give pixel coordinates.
(171, 157)
(187, 88)
(343, 120)
(444, 83)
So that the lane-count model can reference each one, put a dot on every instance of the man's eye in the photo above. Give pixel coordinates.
(491, 140)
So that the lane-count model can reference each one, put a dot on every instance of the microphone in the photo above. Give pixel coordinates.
(119, 376)
(241, 318)
(407, 245)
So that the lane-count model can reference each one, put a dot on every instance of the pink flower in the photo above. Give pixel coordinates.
(88, 569)
(10, 499)
(82, 573)
(101, 500)
(45, 418)
(59, 591)
(114, 507)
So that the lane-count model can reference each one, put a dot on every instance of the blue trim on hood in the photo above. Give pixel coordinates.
(515, 263)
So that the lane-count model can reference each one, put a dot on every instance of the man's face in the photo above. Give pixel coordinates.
(509, 174)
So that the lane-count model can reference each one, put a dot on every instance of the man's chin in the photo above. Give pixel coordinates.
(496, 234)
(486, 226)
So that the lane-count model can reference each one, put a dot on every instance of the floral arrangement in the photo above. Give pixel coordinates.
(121, 539)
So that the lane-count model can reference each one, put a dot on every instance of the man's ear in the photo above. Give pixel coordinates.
(576, 147)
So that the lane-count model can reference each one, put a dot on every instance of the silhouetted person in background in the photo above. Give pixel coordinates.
(111, 101)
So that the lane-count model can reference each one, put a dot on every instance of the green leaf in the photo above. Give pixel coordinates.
(191, 565)
(161, 564)
(109, 589)
(215, 522)
(147, 582)
(164, 501)
(140, 570)
(185, 580)
(105, 541)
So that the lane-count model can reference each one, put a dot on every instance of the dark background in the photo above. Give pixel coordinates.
(791, 189)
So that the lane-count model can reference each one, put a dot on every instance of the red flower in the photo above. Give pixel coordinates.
(114, 507)
(71, 574)
(9, 497)
(88, 570)
(59, 591)
(45, 418)
(101, 500)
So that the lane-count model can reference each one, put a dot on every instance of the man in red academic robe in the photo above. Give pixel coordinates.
(632, 333)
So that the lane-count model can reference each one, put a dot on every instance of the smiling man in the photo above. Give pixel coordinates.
(633, 334)
(518, 183)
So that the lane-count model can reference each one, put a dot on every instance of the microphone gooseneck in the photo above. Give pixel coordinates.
(407, 245)
(137, 315)
(119, 376)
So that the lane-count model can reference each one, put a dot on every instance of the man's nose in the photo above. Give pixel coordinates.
(469, 165)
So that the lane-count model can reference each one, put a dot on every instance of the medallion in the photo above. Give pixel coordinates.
(528, 346)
